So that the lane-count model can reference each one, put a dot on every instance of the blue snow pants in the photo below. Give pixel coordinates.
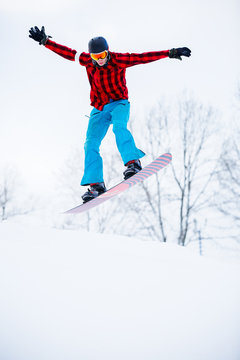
(117, 114)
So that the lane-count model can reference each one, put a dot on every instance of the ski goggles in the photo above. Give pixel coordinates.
(101, 55)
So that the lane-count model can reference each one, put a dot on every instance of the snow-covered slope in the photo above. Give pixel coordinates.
(71, 295)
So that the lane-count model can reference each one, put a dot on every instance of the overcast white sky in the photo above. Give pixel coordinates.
(44, 98)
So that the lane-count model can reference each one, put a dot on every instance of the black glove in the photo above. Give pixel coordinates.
(38, 35)
(177, 53)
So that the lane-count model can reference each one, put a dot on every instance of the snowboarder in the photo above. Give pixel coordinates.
(109, 97)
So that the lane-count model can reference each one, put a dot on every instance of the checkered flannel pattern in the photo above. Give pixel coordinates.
(107, 82)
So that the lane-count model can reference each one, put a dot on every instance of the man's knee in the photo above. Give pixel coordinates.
(91, 145)
(118, 127)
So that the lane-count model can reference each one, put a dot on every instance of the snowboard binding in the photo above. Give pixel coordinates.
(133, 167)
(94, 191)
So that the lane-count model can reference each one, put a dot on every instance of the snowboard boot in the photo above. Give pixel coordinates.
(94, 191)
(133, 167)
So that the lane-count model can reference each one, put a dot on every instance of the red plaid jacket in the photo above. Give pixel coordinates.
(107, 83)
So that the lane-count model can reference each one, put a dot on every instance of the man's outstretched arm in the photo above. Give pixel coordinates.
(131, 59)
(43, 39)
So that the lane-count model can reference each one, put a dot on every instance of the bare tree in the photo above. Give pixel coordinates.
(7, 190)
(228, 175)
(227, 198)
(9, 194)
(169, 203)
(4, 199)
(195, 172)
(103, 219)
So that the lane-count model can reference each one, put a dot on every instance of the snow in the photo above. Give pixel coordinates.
(71, 295)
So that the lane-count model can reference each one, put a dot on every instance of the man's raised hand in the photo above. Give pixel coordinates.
(39, 35)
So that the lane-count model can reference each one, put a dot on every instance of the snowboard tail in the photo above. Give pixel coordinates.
(146, 172)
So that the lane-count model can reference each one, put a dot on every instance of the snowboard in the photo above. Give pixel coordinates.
(147, 171)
